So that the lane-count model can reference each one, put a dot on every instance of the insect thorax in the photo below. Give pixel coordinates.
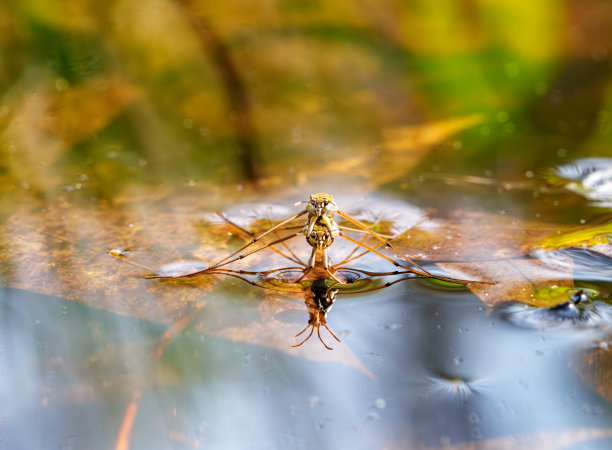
(322, 233)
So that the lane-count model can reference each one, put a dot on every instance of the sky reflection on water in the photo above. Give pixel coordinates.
(445, 369)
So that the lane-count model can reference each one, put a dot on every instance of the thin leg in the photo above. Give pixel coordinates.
(295, 257)
(252, 283)
(252, 235)
(219, 264)
(321, 339)
(311, 331)
(276, 227)
(376, 274)
(327, 265)
(424, 272)
(332, 333)
(363, 232)
(313, 258)
(382, 286)
(387, 243)
(349, 258)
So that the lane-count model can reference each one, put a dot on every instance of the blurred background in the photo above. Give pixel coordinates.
(277, 92)
(123, 123)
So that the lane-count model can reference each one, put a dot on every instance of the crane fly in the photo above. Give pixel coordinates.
(318, 279)
(320, 231)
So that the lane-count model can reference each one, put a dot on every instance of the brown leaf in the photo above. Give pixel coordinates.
(86, 108)
(99, 255)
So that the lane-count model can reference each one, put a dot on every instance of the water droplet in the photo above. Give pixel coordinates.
(61, 84)
(380, 403)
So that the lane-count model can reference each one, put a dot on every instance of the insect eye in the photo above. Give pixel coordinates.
(313, 234)
(326, 235)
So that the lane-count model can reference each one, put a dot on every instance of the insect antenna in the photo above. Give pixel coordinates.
(321, 339)
(332, 333)
(311, 331)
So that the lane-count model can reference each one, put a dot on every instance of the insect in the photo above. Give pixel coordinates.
(320, 297)
(320, 231)
(319, 293)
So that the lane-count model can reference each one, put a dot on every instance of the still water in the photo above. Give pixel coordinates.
(478, 133)
(440, 369)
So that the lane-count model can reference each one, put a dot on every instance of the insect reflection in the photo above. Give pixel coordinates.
(319, 299)
(319, 279)
(320, 230)
(319, 293)
(320, 296)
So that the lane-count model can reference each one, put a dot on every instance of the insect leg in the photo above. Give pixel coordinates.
(327, 265)
(311, 331)
(332, 333)
(382, 286)
(221, 264)
(424, 272)
(276, 227)
(295, 259)
(321, 339)
(364, 232)
(387, 243)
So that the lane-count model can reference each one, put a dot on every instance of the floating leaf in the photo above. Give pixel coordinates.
(582, 236)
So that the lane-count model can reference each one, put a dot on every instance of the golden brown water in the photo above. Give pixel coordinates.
(478, 134)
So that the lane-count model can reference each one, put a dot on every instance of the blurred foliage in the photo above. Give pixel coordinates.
(121, 121)
(178, 90)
